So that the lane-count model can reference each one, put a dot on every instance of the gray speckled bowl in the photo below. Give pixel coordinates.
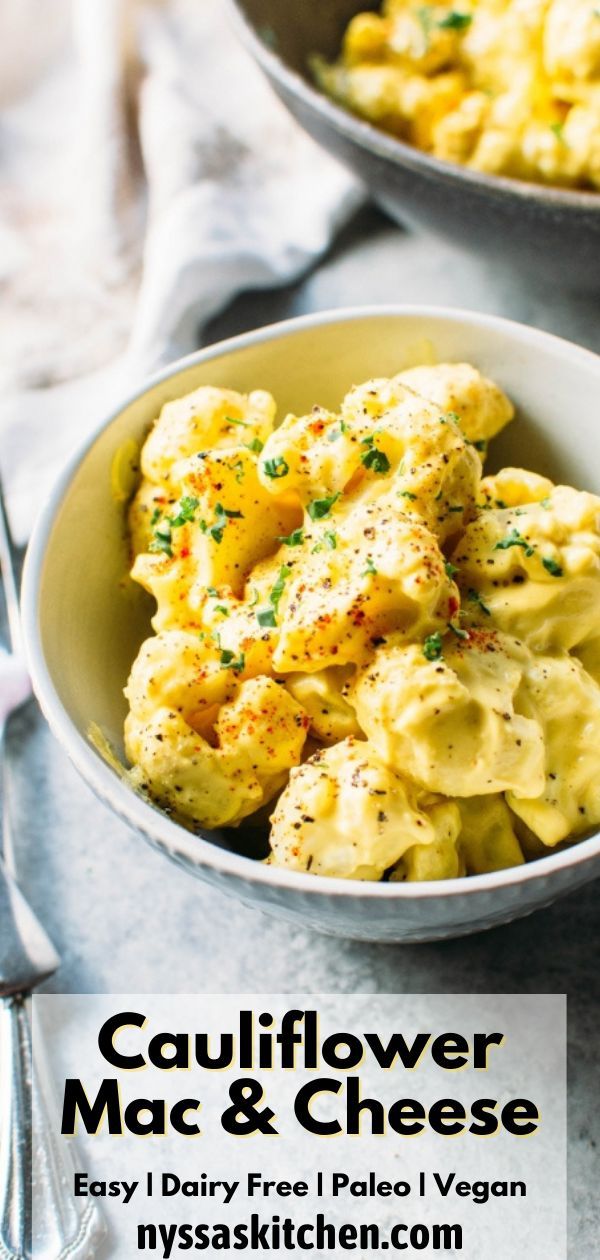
(550, 232)
(83, 624)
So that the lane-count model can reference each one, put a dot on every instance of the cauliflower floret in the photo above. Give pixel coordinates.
(535, 570)
(385, 573)
(450, 723)
(572, 40)
(345, 814)
(257, 737)
(559, 695)
(222, 524)
(480, 405)
(487, 838)
(204, 420)
(323, 696)
(512, 487)
(442, 859)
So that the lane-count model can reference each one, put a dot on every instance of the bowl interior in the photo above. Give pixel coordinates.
(295, 31)
(86, 619)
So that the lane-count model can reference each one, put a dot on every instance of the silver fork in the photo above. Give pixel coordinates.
(60, 1228)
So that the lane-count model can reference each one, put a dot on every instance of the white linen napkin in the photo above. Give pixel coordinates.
(147, 175)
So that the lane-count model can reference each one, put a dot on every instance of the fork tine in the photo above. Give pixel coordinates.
(9, 564)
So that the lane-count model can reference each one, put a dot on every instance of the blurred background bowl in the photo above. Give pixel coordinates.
(552, 233)
(84, 619)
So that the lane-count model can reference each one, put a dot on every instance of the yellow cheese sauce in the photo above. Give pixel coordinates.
(507, 87)
(359, 630)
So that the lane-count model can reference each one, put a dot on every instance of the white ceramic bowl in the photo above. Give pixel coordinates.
(82, 628)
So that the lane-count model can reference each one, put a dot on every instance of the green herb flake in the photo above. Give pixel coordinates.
(450, 569)
(256, 446)
(156, 515)
(212, 590)
(475, 598)
(279, 586)
(319, 508)
(375, 460)
(220, 608)
(407, 494)
(275, 468)
(295, 539)
(232, 420)
(162, 541)
(480, 445)
(186, 511)
(514, 539)
(330, 538)
(432, 646)
(222, 516)
(228, 661)
(458, 631)
(370, 567)
(455, 21)
(552, 567)
(266, 617)
(558, 129)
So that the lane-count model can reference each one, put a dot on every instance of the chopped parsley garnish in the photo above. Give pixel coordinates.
(455, 21)
(374, 459)
(432, 646)
(163, 536)
(329, 540)
(276, 468)
(451, 569)
(232, 420)
(279, 586)
(256, 446)
(450, 415)
(187, 511)
(266, 617)
(475, 598)
(458, 631)
(480, 445)
(228, 661)
(370, 567)
(238, 468)
(343, 426)
(220, 608)
(558, 129)
(211, 590)
(552, 567)
(319, 508)
(162, 541)
(457, 507)
(514, 539)
(407, 494)
(222, 516)
(295, 539)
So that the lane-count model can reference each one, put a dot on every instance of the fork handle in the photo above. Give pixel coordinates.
(58, 1227)
(15, 1130)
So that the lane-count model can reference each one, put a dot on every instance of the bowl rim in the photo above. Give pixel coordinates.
(385, 145)
(148, 819)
